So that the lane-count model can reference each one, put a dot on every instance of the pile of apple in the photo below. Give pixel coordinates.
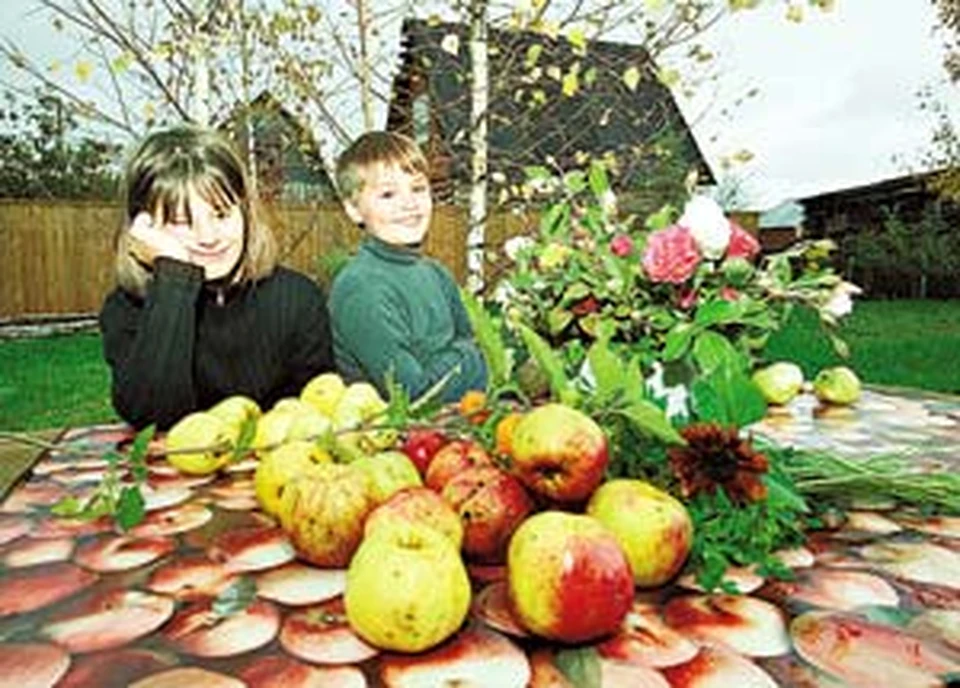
(412, 519)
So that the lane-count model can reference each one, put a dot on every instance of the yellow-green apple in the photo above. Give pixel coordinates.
(418, 505)
(454, 458)
(323, 392)
(421, 445)
(491, 504)
(272, 430)
(407, 588)
(236, 411)
(569, 578)
(282, 465)
(361, 404)
(559, 452)
(323, 513)
(389, 472)
(653, 528)
(199, 443)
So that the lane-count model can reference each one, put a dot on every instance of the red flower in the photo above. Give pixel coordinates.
(585, 306)
(742, 243)
(621, 245)
(686, 298)
(671, 255)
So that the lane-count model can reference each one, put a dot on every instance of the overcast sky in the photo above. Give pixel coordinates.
(836, 103)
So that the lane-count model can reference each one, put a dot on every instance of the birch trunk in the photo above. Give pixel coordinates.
(479, 92)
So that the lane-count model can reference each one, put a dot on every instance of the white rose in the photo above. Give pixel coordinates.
(513, 247)
(608, 201)
(840, 301)
(708, 225)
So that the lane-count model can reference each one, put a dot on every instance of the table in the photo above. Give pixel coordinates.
(876, 602)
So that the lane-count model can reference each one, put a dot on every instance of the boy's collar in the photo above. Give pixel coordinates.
(396, 253)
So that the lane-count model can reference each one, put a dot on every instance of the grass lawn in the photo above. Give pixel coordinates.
(53, 382)
(902, 343)
(63, 381)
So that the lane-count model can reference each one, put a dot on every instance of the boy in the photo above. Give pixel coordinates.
(394, 310)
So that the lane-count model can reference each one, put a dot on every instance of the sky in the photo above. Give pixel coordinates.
(836, 102)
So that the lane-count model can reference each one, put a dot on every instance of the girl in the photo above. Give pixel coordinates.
(201, 310)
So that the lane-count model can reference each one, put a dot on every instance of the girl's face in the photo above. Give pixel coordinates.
(212, 235)
(393, 204)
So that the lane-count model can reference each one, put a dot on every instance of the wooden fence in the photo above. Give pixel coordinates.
(56, 256)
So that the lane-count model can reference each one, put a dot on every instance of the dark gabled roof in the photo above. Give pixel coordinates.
(531, 119)
(882, 191)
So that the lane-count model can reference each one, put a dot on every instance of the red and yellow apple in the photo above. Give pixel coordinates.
(491, 504)
(418, 505)
(389, 472)
(421, 445)
(569, 579)
(323, 513)
(653, 528)
(559, 452)
(454, 458)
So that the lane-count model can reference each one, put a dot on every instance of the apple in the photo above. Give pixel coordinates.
(569, 579)
(418, 505)
(491, 504)
(421, 445)
(282, 465)
(559, 452)
(323, 392)
(323, 513)
(653, 528)
(199, 443)
(454, 458)
(407, 588)
(389, 472)
(236, 411)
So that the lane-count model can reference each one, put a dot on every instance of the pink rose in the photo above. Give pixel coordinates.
(742, 243)
(621, 245)
(671, 255)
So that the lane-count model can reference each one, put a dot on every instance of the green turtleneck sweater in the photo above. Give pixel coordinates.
(393, 309)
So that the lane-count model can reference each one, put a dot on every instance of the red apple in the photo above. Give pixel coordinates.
(491, 504)
(559, 452)
(569, 579)
(453, 459)
(421, 445)
(418, 505)
(653, 528)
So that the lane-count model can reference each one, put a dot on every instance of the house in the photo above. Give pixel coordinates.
(549, 100)
(286, 160)
(897, 236)
(780, 226)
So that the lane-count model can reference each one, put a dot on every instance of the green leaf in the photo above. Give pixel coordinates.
(575, 181)
(556, 219)
(718, 312)
(558, 319)
(839, 345)
(236, 598)
(712, 350)
(533, 54)
(550, 363)
(599, 184)
(678, 341)
(130, 507)
(575, 292)
(68, 506)
(660, 219)
(487, 333)
(537, 172)
(729, 397)
(608, 371)
(138, 453)
(580, 665)
(650, 419)
(248, 431)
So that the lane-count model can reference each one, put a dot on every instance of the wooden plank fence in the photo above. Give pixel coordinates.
(56, 256)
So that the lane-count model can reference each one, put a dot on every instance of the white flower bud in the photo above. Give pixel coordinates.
(708, 225)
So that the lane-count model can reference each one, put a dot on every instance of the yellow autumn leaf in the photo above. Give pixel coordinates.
(743, 156)
(54, 66)
(121, 63)
(571, 83)
(533, 54)
(631, 77)
(795, 13)
(654, 5)
(578, 40)
(83, 69)
(553, 71)
(668, 77)
(451, 44)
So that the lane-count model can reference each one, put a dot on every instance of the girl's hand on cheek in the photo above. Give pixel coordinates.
(149, 242)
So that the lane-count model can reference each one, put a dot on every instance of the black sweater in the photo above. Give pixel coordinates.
(186, 345)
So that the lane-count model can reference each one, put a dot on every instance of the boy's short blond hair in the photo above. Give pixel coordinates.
(373, 149)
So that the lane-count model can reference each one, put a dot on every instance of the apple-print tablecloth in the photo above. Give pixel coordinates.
(206, 591)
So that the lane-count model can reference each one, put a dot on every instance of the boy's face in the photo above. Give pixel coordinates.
(393, 205)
